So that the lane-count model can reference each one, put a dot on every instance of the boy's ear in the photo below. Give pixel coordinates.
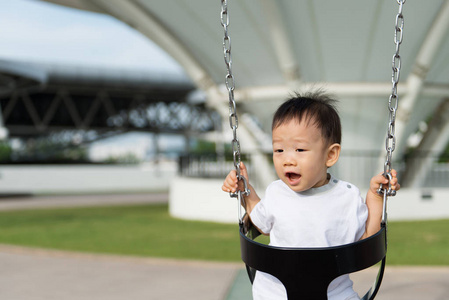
(333, 153)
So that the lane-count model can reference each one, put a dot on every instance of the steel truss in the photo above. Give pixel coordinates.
(39, 112)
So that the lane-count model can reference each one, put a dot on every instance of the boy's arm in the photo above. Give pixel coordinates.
(374, 202)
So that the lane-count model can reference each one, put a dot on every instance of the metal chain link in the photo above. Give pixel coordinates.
(230, 85)
(233, 118)
(390, 142)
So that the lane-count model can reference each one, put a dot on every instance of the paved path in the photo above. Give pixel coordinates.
(40, 274)
(36, 202)
(407, 283)
(30, 274)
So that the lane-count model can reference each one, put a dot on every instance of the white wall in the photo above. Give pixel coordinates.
(409, 204)
(57, 179)
(202, 199)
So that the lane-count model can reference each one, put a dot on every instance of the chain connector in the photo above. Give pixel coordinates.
(245, 191)
(240, 194)
(388, 191)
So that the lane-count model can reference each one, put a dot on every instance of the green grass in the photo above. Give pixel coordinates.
(418, 243)
(148, 230)
(145, 230)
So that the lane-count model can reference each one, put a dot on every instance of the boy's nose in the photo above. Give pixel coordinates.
(289, 161)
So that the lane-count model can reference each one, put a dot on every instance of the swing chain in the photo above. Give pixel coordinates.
(230, 85)
(233, 118)
(393, 101)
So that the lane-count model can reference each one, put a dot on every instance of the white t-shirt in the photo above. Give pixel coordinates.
(330, 215)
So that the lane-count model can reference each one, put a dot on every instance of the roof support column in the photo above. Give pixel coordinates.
(415, 81)
(263, 172)
(432, 145)
(281, 43)
(131, 13)
(136, 16)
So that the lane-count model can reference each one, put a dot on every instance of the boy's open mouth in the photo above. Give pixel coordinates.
(293, 178)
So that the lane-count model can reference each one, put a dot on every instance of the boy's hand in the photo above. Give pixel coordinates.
(231, 184)
(374, 202)
(379, 179)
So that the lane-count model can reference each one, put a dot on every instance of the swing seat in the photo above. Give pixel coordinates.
(307, 272)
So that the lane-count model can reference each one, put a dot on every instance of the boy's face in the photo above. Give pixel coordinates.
(300, 155)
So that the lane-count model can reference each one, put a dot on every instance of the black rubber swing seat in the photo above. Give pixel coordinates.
(307, 272)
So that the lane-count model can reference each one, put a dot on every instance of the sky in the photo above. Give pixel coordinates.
(34, 30)
(37, 31)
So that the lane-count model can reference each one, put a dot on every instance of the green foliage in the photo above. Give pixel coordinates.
(5, 151)
(202, 146)
(444, 157)
(128, 158)
(45, 150)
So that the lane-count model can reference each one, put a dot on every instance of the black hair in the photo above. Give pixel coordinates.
(317, 107)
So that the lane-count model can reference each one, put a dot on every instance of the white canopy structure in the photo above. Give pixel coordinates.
(278, 47)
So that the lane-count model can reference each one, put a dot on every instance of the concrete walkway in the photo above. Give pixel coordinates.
(37, 274)
(36, 202)
(41, 274)
(406, 283)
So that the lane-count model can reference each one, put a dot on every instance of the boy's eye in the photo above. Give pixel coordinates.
(300, 150)
(278, 150)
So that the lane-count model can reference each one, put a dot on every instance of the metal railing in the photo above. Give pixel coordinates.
(204, 166)
(356, 167)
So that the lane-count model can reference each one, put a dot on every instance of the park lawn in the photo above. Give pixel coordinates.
(148, 230)
(144, 230)
(418, 243)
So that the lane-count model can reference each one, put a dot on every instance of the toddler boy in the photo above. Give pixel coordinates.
(307, 206)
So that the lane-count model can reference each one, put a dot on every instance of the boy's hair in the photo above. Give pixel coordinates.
(317, 107)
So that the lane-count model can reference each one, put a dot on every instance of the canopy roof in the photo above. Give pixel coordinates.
(344, 46)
